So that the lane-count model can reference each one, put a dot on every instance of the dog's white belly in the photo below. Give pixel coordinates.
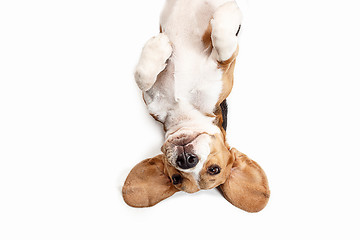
(192, 82)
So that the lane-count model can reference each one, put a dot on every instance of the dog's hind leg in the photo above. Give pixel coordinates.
(152, 61)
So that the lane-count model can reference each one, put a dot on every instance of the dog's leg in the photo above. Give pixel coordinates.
(225, 25)
(152, 61)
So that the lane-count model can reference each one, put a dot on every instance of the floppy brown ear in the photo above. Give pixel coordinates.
(247, 186)
(147, 184)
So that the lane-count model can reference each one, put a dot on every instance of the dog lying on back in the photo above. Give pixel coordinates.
(186, 74)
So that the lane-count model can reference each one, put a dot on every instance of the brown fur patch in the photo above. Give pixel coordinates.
(206, 39)
(219, 156)
(228, 68)
(247, 186)
(146, 184)
(219, 119)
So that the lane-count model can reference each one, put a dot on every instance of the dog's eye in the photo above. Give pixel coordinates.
(176, 179)
(214, 169)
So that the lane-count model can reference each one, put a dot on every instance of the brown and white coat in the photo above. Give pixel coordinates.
(186, 74)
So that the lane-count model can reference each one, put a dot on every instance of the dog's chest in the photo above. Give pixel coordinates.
(191, 82)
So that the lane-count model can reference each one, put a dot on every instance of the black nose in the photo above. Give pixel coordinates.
(187, 160)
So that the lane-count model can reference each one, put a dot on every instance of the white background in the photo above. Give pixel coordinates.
(73, 122)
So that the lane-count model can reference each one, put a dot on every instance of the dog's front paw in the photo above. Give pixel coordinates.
(225, 28)
(152, 61)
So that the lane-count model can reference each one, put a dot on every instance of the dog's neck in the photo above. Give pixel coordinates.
(185, 116)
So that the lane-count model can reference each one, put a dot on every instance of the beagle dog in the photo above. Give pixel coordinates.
(186, 74)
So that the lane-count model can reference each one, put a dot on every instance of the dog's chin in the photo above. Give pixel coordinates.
(182, 138)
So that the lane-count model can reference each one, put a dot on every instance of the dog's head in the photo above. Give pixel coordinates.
(192, 161)
(197, 160)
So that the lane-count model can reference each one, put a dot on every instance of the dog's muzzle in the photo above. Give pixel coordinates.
(183, 155)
